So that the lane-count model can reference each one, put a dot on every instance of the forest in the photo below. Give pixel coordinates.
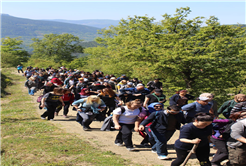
(198, 54)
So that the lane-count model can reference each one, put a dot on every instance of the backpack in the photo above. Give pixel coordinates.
(157, 114)
(227, 131)
(123, 109)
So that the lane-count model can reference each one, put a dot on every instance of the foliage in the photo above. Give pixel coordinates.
(89, 44)
(184, 53)
(9, 60)
(56, 47)
(5, 81)
(77, 63)
(42, 63)
(12, 46)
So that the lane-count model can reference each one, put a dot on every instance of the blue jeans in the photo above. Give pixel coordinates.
(85, 119)
(31, 91)
(161, 139)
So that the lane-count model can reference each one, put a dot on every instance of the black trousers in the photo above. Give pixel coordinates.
(109, 109)
(65, 108)
(125, 135)
(20, 70)
(202, 154)
(51, 107)
(222, 152)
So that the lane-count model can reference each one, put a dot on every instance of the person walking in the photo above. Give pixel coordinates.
(196, 132)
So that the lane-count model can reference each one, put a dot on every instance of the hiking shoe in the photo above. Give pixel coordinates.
(145, 145)
(130, 149)
(163, 157)
(43, 118)
(118, 144)
(153, 151)
(85, 129)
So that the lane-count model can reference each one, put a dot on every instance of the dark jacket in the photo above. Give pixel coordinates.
(160, 119)
(174, 99)
(133, 91)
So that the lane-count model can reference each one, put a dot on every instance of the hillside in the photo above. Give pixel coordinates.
(98, 23)
(28, 29)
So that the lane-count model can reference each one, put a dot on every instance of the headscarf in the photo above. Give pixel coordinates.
(83, 92)
(151, 107)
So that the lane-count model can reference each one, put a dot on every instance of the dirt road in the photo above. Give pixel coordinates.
(104, 140)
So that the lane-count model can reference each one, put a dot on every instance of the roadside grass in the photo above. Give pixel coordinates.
(28, 140)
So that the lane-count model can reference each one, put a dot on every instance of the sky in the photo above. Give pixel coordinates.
(228, 12)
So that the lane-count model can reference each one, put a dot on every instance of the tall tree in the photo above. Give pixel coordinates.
(13, 46)
(59, 48)
(196, 54)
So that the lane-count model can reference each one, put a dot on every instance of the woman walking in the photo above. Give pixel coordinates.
(89, 109)
(126, 119)
(51, 101)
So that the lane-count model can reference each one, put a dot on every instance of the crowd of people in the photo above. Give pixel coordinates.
(132, 106)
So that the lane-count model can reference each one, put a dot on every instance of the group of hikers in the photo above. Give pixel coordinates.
(132, 106)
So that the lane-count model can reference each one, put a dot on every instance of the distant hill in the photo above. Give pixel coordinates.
(98, 23)
(28, 29)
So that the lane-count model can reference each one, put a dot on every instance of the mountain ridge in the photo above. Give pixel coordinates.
(98, 23)
(28, 28)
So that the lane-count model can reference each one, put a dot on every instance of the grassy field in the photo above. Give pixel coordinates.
(28, 140)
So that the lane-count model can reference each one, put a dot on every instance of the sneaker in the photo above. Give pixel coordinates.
(65, 116)
(163, 157)
(56, 113)
(43, 118)
(118, 144)
(153, 151)
(51, 119)
(130, 149)
(85, 129)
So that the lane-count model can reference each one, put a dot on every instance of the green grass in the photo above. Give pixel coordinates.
(27, 140)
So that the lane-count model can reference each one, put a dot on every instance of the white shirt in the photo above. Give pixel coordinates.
(128, 117)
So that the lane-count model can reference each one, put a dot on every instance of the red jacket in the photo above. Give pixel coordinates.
(68, 97)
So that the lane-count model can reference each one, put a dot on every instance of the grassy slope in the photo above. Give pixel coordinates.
(28, 140)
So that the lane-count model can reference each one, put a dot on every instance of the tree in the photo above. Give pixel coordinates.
(9, 60)
(77, 63)
(57, 47)
(199, 55)
(12, 46)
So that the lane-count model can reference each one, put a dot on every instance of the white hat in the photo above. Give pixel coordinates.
(112, 78)
(140, 85)
(203, 98)
(208, 95)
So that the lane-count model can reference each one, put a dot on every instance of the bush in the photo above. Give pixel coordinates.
(9, 60)
(5, 81)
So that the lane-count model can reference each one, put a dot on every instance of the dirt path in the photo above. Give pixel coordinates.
(105, 139)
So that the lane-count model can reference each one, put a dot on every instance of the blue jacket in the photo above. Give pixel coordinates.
(160, 120)
(193, 108)
(85, 106)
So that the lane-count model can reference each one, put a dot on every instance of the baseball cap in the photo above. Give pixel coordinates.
(129, 83)
(203, 98)
(140, 85)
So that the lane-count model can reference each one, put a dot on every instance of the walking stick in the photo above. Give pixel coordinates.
(190, 153)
